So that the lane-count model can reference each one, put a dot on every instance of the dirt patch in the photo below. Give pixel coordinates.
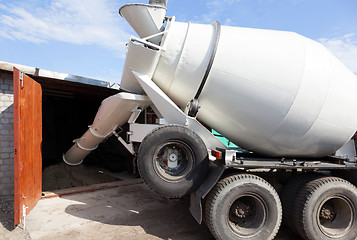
(62, 176)
(7, 229)
(6, 213)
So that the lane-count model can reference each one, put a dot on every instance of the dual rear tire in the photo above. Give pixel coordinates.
(245, 206)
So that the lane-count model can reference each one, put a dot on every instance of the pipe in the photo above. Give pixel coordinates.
(113, 113)
(145, 19)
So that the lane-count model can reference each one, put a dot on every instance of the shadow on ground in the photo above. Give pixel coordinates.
(138, 206)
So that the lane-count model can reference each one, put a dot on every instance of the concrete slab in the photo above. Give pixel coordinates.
(129, 211)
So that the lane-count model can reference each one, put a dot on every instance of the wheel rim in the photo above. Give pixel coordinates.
(336, 216)
(247, 215)
(173, 161)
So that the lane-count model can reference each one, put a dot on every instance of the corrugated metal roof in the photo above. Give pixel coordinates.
(56, 75)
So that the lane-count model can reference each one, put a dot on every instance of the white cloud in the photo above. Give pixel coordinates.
(72, 21)
(216, 8)
(221, 3)
(345, 48)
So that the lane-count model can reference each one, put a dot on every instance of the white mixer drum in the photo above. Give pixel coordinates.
(272, 92)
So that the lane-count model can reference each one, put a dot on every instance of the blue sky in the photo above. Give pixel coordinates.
(87, 38)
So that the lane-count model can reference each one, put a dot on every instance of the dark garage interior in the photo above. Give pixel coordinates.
(68, 108)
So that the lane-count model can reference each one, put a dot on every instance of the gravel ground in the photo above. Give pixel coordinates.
(7, 230)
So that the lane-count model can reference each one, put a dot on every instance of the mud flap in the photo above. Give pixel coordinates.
(214, 174)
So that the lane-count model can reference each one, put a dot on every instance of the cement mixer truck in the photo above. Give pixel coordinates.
(284, 99)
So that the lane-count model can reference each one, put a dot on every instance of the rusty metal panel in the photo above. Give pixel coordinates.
(27, 144)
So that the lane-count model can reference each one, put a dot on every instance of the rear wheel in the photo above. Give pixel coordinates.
(243, 206)
(327, 209)
(173, 160)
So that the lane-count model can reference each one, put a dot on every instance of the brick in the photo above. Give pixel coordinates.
(8, 115)
(4, 155)
(6, 138)
(1, 162)
(4, 132)
(8, 162)
(4, 87)
(6, 180)
(4, 120)
(4, 168)
(4, 144)
(6, 192)
(9, 174)
(8, 81)
(7, 150)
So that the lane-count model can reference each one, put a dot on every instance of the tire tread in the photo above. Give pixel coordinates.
(212, 198)
(288, 197)
(304, 197)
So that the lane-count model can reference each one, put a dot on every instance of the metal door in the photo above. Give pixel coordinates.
(27, 144)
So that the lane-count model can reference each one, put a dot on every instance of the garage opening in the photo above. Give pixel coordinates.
(49, 113)
(68, 108)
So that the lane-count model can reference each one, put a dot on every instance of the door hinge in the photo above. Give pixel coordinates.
(24, 215)
(22, 79)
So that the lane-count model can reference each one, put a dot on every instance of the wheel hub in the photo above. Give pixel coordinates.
(241, 210)
(336, 217)
(173, 157)
(327, 212)
(173, 160)
(247, 215)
